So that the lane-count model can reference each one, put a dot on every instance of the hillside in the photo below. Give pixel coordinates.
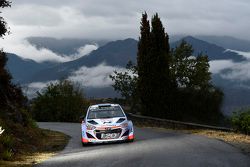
(118, 53)
(213, 51)
(227, 42)
(21, 69)
(64, 46)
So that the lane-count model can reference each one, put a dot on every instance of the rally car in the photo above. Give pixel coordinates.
(106, 123)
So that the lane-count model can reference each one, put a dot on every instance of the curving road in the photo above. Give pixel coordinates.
(151, 148)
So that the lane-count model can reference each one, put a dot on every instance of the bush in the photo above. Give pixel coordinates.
(6, 146)
(7, 141)
(241, 120)
(62, 101)
(7, 155)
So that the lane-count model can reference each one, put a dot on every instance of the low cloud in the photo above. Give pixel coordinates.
(94, 77)
(24, 49)
(216, 66)
(240, 72)
(244, 54)
(30, 90)
(84, 50)
(230, 70)
(97, 77)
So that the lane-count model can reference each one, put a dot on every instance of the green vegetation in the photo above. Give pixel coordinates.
(125, 83)
(7, 155)
(241, 120)
(155, 85)
(62, 101)
(21, 135)
(172, 84)
(13, 109)
(7, 144)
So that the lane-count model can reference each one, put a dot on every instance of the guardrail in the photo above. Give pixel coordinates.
(158, 122)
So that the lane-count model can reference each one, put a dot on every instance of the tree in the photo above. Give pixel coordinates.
(62, 101)
(197, 99)
(183, 64)
(12, 100)
(143, 64)
(3, 24)
(155, 84)
(125, 83)
(241, 120)
(188, 69)
(5, 77)
(202, 77)
(170, 84)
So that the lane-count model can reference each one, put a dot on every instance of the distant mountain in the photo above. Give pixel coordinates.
(213, 51)
(236, 93)
(116, 53)
(228, 42)
(65, 46)
(21, 69)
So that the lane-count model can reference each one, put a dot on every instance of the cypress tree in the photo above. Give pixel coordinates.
(155, 83)
(143, 63)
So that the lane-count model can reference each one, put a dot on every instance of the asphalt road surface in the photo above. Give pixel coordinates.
(151, 147)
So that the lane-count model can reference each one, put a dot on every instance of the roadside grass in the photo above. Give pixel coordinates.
(238, 140)
(49, 143)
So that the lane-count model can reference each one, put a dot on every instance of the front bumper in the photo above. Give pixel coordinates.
(94, 136)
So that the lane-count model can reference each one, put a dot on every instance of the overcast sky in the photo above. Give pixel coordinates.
(119, 19)
(116, 19)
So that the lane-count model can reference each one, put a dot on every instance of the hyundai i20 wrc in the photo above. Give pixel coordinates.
(106, 123)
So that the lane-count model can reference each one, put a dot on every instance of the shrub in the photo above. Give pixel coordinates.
(241, 120)
(7, 141)
(7, 155)
(62, 101)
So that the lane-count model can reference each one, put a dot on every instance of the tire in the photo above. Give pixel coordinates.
(84, 144)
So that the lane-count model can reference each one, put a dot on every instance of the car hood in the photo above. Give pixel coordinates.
(106, 121)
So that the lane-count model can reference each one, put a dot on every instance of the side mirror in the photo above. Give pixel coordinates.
(82, 118)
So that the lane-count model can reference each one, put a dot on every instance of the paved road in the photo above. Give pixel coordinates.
(151, 148)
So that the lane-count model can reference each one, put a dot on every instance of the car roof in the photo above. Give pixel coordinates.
(103, 105)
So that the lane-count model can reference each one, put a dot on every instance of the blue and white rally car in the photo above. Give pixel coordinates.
(106, 123)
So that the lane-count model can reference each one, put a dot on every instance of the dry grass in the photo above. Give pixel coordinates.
(238, 140)
(50, 143)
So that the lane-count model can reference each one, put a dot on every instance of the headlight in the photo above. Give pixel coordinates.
(124, 125)
(90, 127)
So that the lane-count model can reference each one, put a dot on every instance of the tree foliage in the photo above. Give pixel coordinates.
(19, 127)
(3, 24)
(153, 61)
(12, 101)
(125, 82)
(241, 120)
(173, 84)
(61, 101)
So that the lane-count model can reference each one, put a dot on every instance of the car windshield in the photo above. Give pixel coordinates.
(106, 112)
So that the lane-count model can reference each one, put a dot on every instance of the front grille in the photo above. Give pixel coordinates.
(99, 132)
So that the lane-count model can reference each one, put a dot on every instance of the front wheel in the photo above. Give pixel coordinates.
(85, 144)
